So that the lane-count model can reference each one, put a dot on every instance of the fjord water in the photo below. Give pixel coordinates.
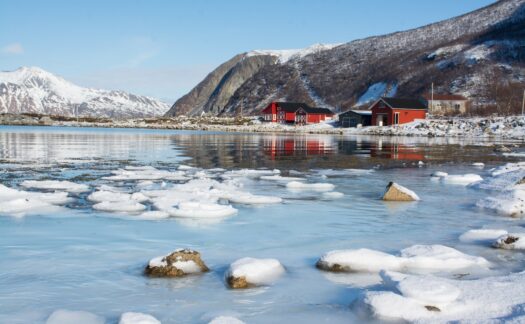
(93, 261)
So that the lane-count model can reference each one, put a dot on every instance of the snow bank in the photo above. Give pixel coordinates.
(257, 272)
(137, 318)
(64, 316)
(55, 185)
(417, 258)
(296, 185)
(481, 235)
(426, 298)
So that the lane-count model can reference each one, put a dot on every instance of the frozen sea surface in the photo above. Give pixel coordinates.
(78, 258)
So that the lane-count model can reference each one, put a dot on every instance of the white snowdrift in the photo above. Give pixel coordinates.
(137, 318)
(417, 258)
(55, 185)
(258, 272)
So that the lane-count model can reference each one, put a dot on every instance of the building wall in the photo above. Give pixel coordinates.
(405, 115)
(443, 107)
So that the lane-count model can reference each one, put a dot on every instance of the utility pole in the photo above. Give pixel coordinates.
(523, 104)
(432, 99)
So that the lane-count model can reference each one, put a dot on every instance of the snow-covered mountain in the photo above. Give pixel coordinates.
(472, 54)
(33, 90)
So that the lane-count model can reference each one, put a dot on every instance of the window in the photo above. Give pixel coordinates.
(457, 107)
(396, 118)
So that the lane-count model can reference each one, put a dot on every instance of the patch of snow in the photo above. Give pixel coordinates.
(406, 191)
(284, 56)
(376, 91)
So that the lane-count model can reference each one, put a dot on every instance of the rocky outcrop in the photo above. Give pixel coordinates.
(460, 55)
(396, 192)
(511, 242)
(177, 264)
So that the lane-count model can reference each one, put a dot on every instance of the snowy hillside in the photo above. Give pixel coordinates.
(33, 90)
(289, 54)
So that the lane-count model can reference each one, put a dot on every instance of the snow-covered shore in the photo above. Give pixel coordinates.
(511, 127)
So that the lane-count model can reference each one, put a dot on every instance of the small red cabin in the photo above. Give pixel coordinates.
(295, 113)
(395, 111)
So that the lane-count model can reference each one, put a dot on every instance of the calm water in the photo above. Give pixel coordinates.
(86, 260)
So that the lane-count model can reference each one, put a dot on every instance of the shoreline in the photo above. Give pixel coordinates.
(511, 127)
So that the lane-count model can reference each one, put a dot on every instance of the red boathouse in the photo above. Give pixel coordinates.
(395, 111)
(295, 113)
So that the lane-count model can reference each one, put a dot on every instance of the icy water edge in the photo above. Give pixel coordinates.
(83, 259)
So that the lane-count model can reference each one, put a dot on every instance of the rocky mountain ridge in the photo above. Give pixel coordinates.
(466, 54)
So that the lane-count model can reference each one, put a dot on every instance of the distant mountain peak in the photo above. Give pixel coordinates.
(35, 90)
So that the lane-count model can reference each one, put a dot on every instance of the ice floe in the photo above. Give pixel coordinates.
(296, 185)
(19, 203)
(146, 173)
(128, 206)
(64, 316)
(424, 298)
(137, 318)
(457, 179)
(226, 320)
(476, 235)
(417, 258)
(55, 185)
(247, 272)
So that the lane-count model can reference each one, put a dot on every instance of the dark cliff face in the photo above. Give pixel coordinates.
(462, 54)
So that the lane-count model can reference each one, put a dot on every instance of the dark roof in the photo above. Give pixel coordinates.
(451, 97)
(357, 112)
(404, 103)
(294, 106)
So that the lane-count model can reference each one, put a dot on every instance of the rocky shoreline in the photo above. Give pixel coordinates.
(511, 127)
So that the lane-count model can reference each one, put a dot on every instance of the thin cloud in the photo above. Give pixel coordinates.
(13, 49)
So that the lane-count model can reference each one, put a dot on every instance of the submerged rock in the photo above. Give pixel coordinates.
(510, 242)
(396, 192)
(250, 272)
(179, 263)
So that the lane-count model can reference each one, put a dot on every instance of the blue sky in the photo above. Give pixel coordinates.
(164, 48)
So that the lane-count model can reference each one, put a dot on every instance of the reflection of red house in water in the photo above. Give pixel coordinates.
(397, 152)
(283, 146)
(295, 113)
(395, 111)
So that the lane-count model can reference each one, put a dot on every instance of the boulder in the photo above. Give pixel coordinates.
(396, 192)
(179, 263)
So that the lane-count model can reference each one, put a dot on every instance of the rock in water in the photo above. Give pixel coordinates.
(395, 192)
(511, 242)
(250, 272)
(179, 263)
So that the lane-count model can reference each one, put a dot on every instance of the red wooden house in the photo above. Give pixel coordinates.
(295, 113)
(395, 111)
